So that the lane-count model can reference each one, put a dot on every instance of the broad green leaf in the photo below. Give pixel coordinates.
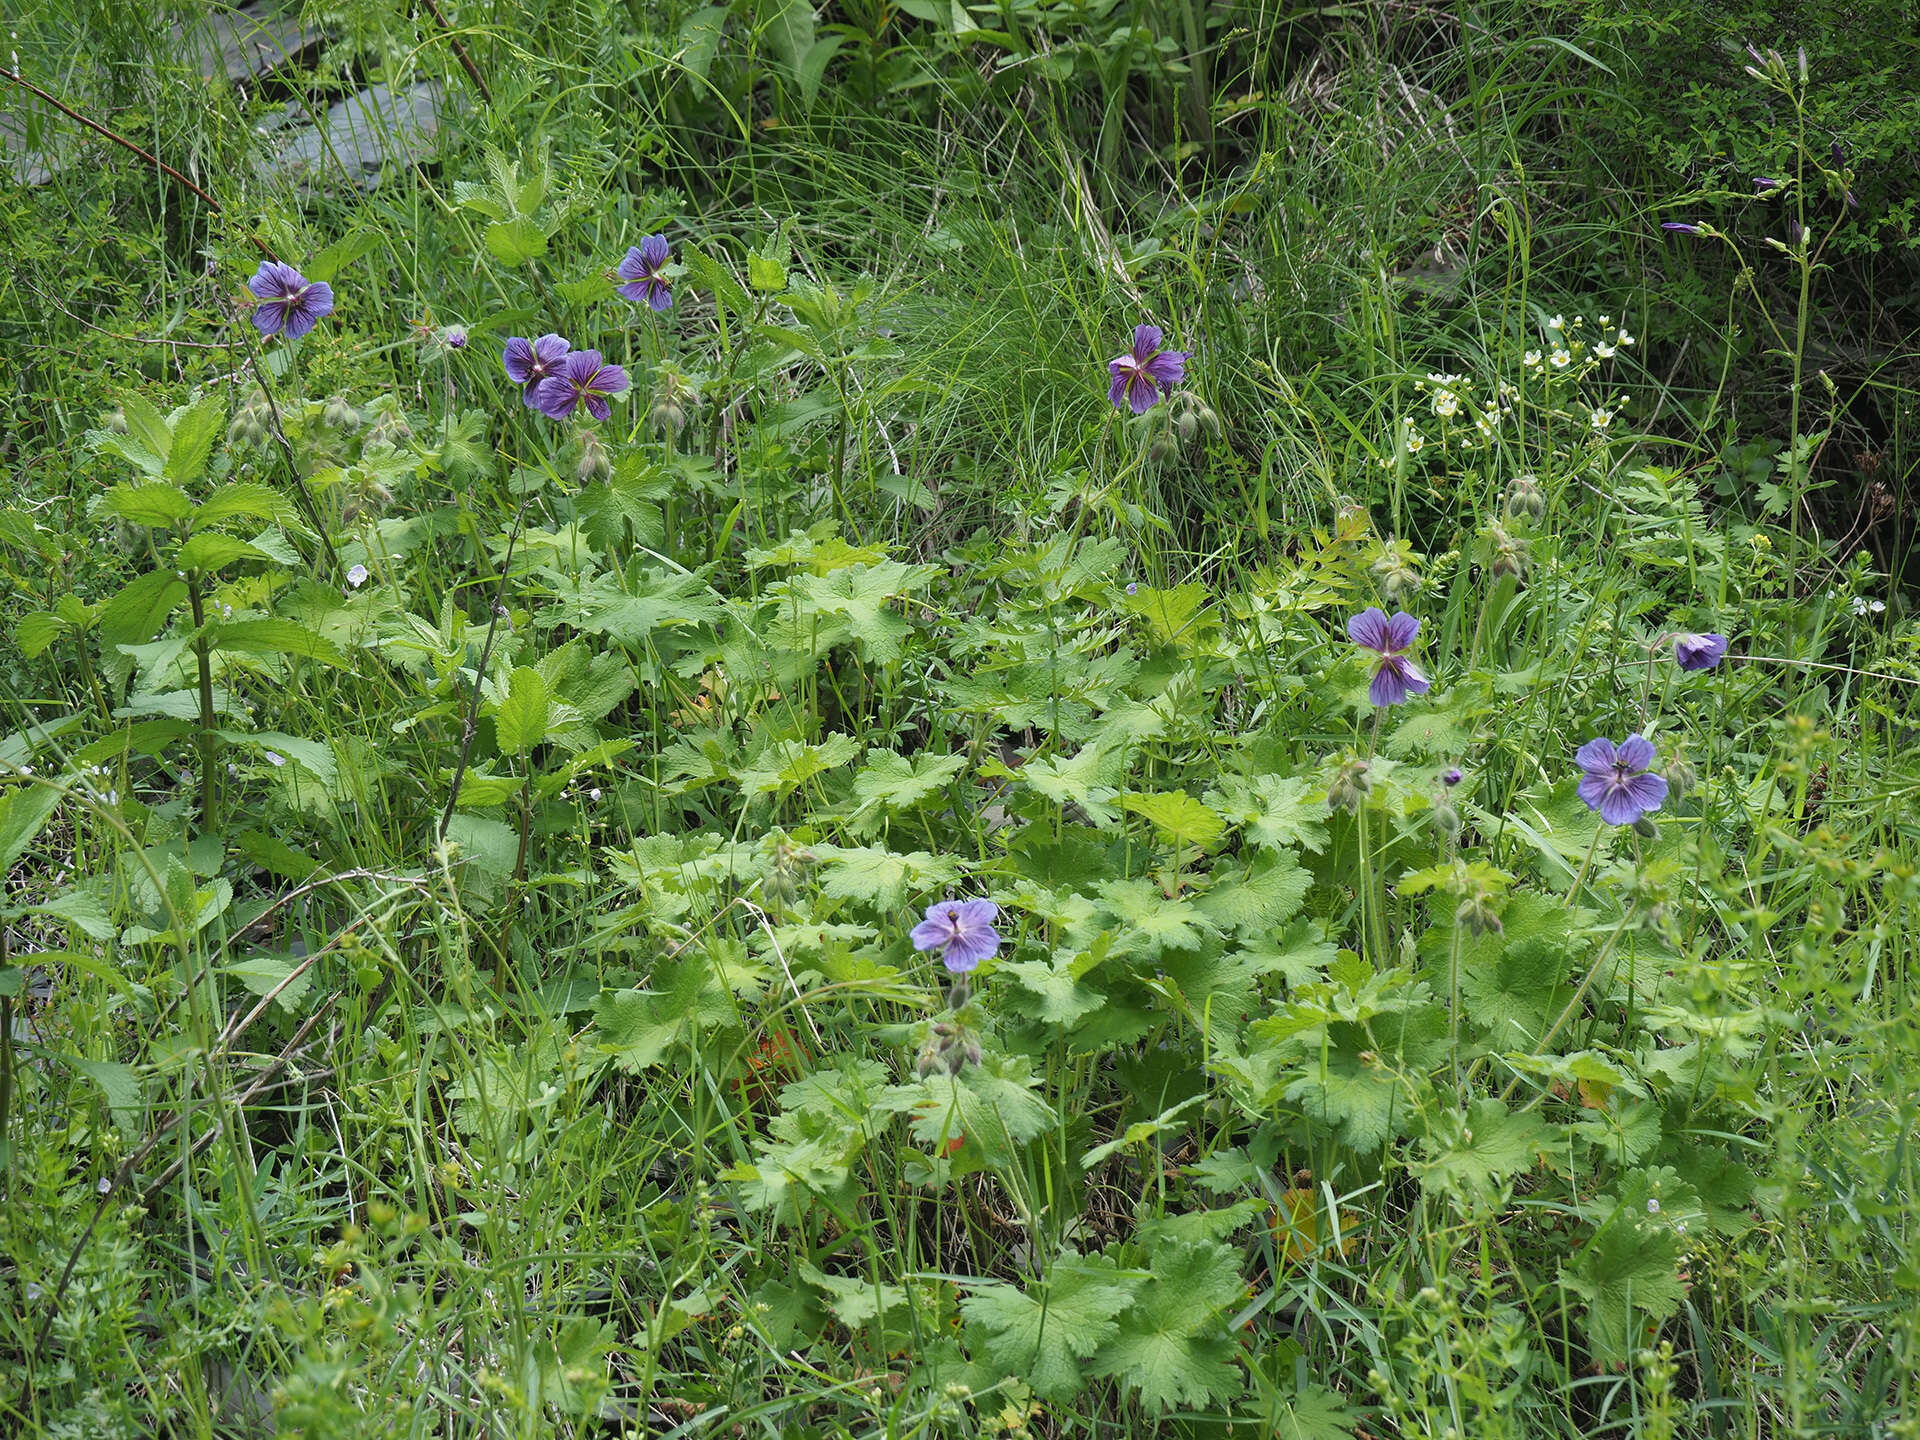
(155, 504)
(640, 1028)
(1180, 819)
(1042, 1334)
(262, 973)
(516, 241)
(35, 633)
(271, 636)
(1255, 900)
(275, 746)
(210, 550)
(1277, 811)
(993, 1104)
(195, 427)
(787, 765)
(898, 783)
(521, 721)
(788, 28)
(250, 501)
(1629, 1270)
(24, 811)
(1315, 1413)
(1173, 1345)
(881, 877)
(1471, 1156)
(342, 253)
(121, 1086)
(1148, 922)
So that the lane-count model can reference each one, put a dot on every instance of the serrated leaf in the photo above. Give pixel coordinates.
(194, 428)
(1173, 1346)
(34, 633)
(1276, 811)
(1043, 1333)
(271, 636)
(992, 1104)
(899, 783)
(1053, 992)
(250, 501)
(24, 810)
(516, 241)
(881, 877)
(1266, 894)
(1180, 819)
(1630, 1268)
(120, 1084)
(210, 550)
(521, 721)
(155, 504)
(1471, 1156)
(640, 1028)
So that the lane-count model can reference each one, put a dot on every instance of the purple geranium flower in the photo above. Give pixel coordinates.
(290, 304)
(1680, 227)
(529, 362)
(1616, 782)
(642, 268)
(583, 376)
(1397, 677)
(961, 930)
(1144, 371)
(1699, 652)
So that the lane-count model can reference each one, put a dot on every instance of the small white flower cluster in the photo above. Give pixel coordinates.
(108, 796)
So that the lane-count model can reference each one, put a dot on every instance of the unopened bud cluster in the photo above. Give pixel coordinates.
(950, 1046)
(1350, 785)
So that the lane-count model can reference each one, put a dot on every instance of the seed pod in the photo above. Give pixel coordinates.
(116, 421)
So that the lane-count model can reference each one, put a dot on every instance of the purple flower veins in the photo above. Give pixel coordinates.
(290, 304)
(1615, 780)
(529, 362)
(1144, 371)
(1699, 652)
(641, 269)
(583, 377)
(1396, 677)
(961, 930)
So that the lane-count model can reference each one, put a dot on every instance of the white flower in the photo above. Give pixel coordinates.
(1606, 319)
(1560, 359)
(1600, 419)
(1532, 359)
(1603, 350)
(1445, 404)
(1653, 1206)
(1556, 323)
(1864, 606)
(274, 760)
(1414, 442)
(357, 576)
(594, 794)
(1623, 337)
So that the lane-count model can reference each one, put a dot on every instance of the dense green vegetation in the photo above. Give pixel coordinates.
(477, 875)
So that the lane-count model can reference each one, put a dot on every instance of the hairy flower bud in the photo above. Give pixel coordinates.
(339, 415)
(1680, 776)
(1446, 820)
(116, 421)
(667, 417)
(1350, 785)
(594, 462)
(1525, 499)
(1476, 913)
(1645, 828)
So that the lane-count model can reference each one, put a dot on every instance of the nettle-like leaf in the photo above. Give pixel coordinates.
(1174, 1347)
(1044, 1333)
(1276, 811)
(631, 609)
(1147, 922)
(1087, 779)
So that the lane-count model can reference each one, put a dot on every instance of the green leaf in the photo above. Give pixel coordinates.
(521, 721)
(1315, 1413)
(209, 550)
(640, 1028)
(1053, 992)
(1470, 1157)
(249, 500)
(1180, 819)
(35, 633)
(786, 765)
(898, 783)
(706, 271)
(1255, 900)
(788, 27)
(342, 253)
(658, 600)
(992, 1104)
(860, 596)
(1630, 1268)
(126, 1097)
(315, 756)
(263, 972)
(1277, 811)
(517, 241)
(1042, 1334)
(1149, 922)
(155, 504)
(24, 811)
(194, 427)
(270, 636)
(881, 877)
(1173, 1346)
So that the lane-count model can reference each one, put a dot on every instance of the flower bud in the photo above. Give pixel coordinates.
(1645, 828)
(339, 415)
(1160, 448)
(116, 421)
(1525, 499)
(594, 463)
(1350, 785)
(1476, 913)
(1446, 820)
(667, 417)
(1680, 776)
